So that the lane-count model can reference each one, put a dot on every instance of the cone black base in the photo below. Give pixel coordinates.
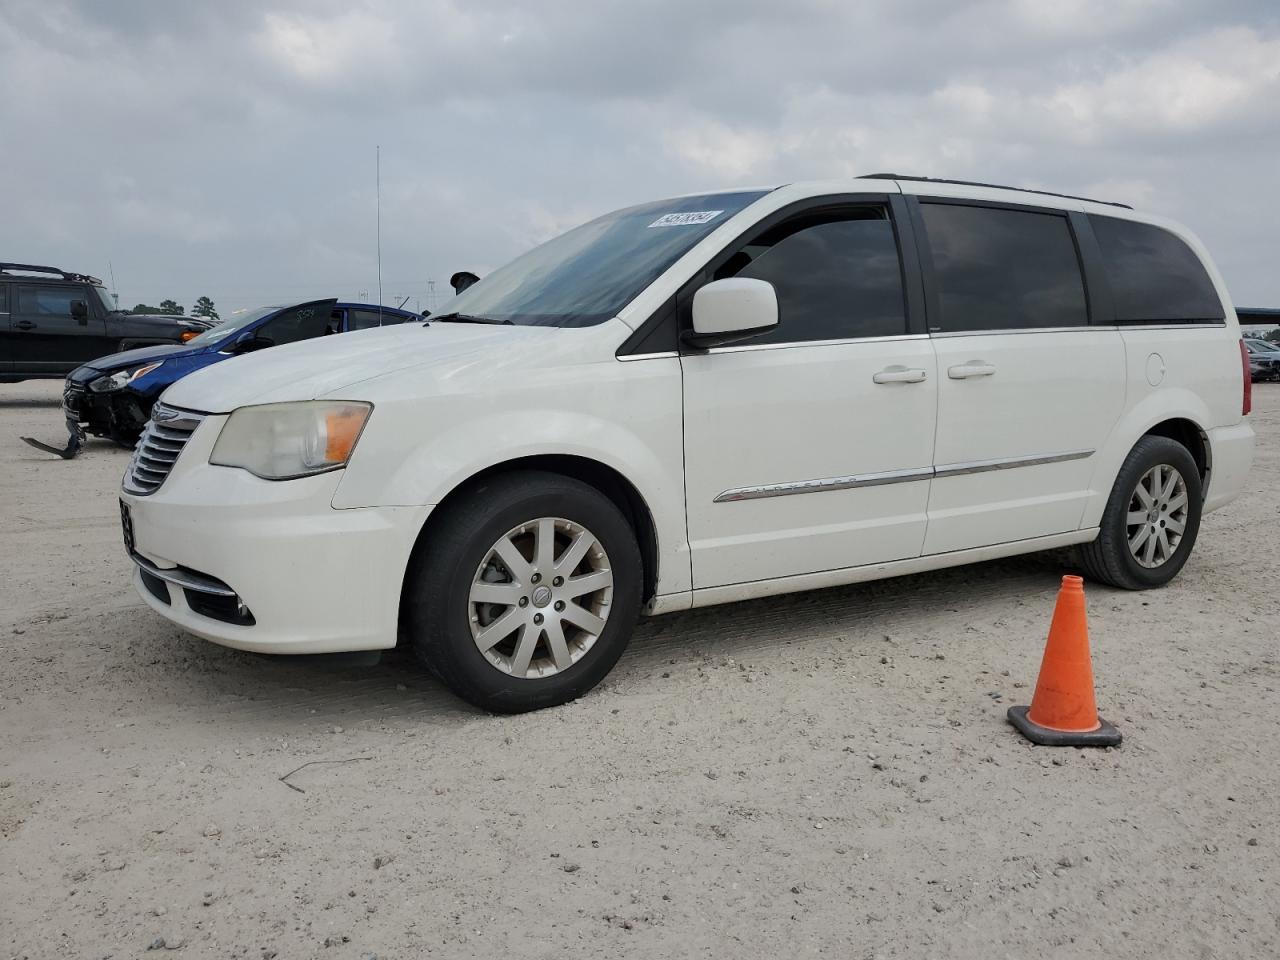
(1105, 736)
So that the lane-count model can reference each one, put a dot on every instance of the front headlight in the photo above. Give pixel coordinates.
(121, 378)
(282, 441)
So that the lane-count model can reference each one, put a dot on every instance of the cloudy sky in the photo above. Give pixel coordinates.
(227, 148)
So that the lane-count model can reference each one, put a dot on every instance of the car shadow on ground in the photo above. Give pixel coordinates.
(30, 403)
(348, 690)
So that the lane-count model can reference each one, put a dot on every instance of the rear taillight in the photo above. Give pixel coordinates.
(1246, 402)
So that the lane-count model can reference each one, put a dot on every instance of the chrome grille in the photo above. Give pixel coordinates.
(163, 438)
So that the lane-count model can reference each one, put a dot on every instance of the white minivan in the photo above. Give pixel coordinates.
(699, 400)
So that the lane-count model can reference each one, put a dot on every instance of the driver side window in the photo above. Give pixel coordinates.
(837, 276)
(298, 323)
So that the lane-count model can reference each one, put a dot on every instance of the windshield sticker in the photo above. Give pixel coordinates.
(686, 219)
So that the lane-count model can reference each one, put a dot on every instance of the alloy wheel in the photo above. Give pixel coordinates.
(1157, 516)
(540, 598)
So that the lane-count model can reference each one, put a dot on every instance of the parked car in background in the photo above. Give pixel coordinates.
(1258, 321)
(698, 400)
(1264, 358)
(51, 321)
(112, 396)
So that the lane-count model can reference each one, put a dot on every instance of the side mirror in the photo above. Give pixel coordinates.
(725, 311)
(462, 279)
(251, 342)
(80, 310)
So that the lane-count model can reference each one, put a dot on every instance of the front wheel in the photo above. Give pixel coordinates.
(1151, 519)
(126, 438)
(526, 593)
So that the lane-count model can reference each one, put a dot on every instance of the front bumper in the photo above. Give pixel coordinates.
(314, 579)
(120, 414)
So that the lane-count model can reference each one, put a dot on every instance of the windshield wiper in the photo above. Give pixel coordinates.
(468, 318)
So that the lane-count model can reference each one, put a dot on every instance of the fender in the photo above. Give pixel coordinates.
(644, 445)
(1173, 403)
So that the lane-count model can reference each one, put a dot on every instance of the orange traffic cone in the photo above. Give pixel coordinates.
(1063, 712)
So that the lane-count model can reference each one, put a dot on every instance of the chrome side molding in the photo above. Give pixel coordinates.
(895, 476)
(1008, 463)
(829, 483)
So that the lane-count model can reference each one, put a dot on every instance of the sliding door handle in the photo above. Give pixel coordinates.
(25, 325)
(973, 368)
(899, 374)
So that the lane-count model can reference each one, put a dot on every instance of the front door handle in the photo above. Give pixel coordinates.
(25, 325)
(899, 374)
(973, 368)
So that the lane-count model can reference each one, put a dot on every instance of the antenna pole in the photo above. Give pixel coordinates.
(115, 291)
(378, 180)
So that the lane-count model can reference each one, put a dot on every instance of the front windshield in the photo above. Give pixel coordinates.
(587, 275)
(230, 325)
(104, 298)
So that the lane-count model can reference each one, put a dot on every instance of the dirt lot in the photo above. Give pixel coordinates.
(825, 774)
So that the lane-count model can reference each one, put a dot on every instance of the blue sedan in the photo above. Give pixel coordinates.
(112, 396)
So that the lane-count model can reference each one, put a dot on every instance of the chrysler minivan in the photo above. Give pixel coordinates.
(698, 400)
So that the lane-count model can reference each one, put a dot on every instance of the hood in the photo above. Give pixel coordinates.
(327, 366)
(129, 358)
(169, 321)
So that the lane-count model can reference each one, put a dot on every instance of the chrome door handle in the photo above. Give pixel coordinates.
(899, 374)
(974, 368)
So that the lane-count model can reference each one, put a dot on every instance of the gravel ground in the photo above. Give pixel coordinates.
(823, 774)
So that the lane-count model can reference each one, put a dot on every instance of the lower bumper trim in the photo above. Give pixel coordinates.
(187, 579)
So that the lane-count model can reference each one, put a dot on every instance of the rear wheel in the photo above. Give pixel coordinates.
(1152, 518)
(526, 593)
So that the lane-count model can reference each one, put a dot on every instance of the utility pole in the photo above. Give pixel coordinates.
(378, 190)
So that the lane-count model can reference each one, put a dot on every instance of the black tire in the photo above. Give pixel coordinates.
(1108, 559)
(440, 578)
(127, 440)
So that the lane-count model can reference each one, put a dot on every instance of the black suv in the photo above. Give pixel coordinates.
(51, 321)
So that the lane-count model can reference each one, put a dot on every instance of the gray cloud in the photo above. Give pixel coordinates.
(227, 148)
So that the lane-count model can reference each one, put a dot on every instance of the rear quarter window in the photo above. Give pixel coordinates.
(1155, 277)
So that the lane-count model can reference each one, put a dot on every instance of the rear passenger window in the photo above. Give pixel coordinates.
(1155, 277)
(837, 276)
(999, 269)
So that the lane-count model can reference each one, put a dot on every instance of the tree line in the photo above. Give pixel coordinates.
(204, 309)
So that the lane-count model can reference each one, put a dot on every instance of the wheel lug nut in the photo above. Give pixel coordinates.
(537, 618)
(557, 581)
(559, 604)
(536, 578)
(524, 601)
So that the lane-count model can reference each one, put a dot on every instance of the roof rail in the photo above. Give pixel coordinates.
(33, 268)
(994, 186)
